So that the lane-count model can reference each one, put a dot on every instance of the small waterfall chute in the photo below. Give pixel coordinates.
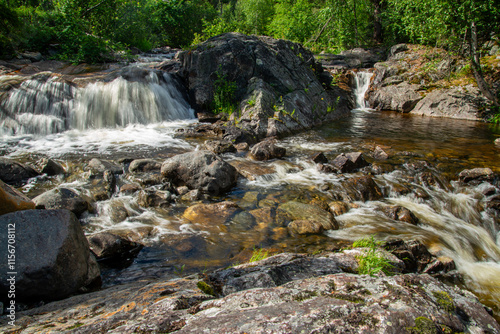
(361, 85)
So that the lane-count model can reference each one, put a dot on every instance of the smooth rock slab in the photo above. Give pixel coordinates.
(53, 259)
(313, 296)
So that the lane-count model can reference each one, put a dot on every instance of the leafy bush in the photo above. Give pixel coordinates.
(224, 91)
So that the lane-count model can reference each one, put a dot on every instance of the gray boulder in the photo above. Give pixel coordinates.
(201, 170)
(99, 166)
(277, 83)
(459, 103)
(53, 259)
(402, 97)
(219, 146)
(15, 173)
(63, 198)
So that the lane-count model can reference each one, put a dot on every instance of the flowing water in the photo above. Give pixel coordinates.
(361, 85)
(136, 116)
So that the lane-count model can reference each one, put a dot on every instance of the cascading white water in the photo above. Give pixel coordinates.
(45, 104)
(361, 85)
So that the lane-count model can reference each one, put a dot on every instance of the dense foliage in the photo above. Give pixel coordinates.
(90, 30)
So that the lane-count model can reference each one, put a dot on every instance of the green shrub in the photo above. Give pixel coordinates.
(372, 261)
(224, 94)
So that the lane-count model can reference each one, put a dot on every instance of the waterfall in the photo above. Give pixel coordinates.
(361, 85)
(46, 104)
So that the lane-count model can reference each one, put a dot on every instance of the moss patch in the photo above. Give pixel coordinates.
(423, 325)
(445, 301)
(205, 288)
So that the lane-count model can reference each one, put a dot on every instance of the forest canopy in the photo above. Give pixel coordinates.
(92, 30)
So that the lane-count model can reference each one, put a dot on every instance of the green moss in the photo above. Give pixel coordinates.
(205, 288)
(348, 297)
(78, 324)
(445, 301)
(423, 325)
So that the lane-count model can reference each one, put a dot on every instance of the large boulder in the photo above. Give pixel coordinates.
(15, 173)
(402, 97)
(277, 82)
(201, 170)
(52, 256)
(63, 198)
(13, 200)
(459, 103)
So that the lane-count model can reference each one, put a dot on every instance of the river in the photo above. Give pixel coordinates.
(135, 113)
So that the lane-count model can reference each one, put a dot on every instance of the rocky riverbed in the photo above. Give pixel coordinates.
(163, 207)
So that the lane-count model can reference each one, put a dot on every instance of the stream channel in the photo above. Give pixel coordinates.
(134, 112)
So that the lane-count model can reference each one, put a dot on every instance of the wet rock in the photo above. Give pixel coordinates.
(441, 264)
(413, 253)
(99, 166)
(154, 198)
(50, 167)
(111, 248)
(211, 214)
(144, 166)
(380, 154)
(456, 103)
(109, 181)
(15, 173)
(130, 188)
(349, 162)
(32, 56)
(338, 208)
(401, 214)
(476, 175)
(301, 211)
(201, 170)
(329, 169)
(266, 150)
(402, 97)
(362, 188)
(219, 146)
(265, 215)
(305, 227)
(319, 158)
(250, 169)
(187, 245)
(53, 259)
(13, 200)
(63, 198)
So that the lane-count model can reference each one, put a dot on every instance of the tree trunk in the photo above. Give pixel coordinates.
(377, 22)
(483, 86)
